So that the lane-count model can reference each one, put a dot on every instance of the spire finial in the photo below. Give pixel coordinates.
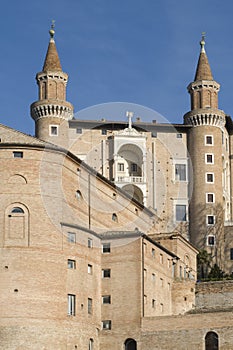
(52, 31)
(202, 42)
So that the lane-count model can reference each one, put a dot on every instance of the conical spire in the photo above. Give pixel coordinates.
(52, 61)
(203, 71)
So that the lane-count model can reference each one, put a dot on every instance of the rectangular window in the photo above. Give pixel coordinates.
(89, 306)
(106, 248)
(71, 305)
(79, 131)
(106, 273)
(153, 252)
(210, 198)
(209, 177)
(89, 243)
(161, 258)
(120, 166)
(53, 130)
(179, 136)
(106, 324)
(180, 172)
(104, 132)
(231, 253)
(89, 269)
(153, 303)
(71, 264)
(134, 167)
(71, 237)
(180, 212)
(17, 154)
(154, 134)
(209, 140)
(161, 282)
(209, 158)
(211, 240)
(106, 299)
(210, 219)
(153, 277)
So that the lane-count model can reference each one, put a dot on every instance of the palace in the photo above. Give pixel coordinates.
(101, 222)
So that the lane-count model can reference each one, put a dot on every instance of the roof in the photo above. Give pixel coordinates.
(203, 71)
(52, 61)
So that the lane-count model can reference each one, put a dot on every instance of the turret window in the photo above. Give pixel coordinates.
(210, 198)
(211, 240)
(210, 219)
(209, 141)
(209, 158)
(53, 130)
(210, 177)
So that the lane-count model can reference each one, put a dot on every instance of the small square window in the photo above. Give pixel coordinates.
(209, 177)
(17, 154)
(71, 237)
(79, 131)
(106, 248)
(106, 324)
(209, 140)
(71, 264)
(209, 158)
(106, 273)
(211, 240)
(154, 134)
(53, 130)
(106, 299)
(209, 197)
(89, 269)
(104, 132)
(90, 243)
(179, 136)
(210, 219)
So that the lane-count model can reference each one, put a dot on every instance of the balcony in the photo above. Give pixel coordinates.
(130, 179)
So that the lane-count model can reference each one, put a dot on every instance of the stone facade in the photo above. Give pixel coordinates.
(100, 224)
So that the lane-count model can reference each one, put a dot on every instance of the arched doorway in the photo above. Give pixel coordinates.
(130, 344)
(211, 341)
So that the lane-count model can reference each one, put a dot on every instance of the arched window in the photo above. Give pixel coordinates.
(78, 195)
(114, 217)
(130, 344)
(17, 210)
(211, 341)
(17, 225)
(91, 344)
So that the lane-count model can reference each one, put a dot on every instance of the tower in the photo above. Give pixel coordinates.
(52, 112)
(208, 150)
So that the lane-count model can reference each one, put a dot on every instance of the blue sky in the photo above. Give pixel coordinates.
(142, 52)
